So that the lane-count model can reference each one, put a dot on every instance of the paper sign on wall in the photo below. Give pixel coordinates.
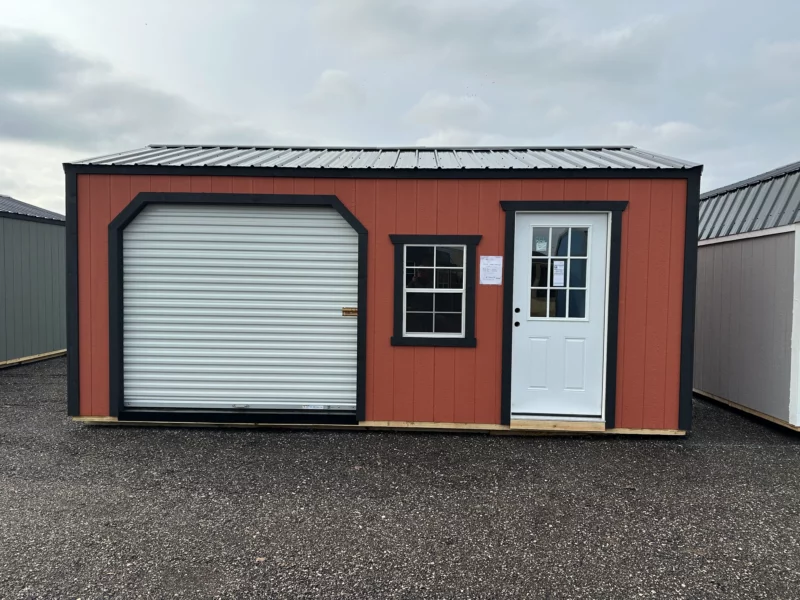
(491, 270)
(558, 273)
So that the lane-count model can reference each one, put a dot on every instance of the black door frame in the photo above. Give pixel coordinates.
(116, 314)
(615, 208)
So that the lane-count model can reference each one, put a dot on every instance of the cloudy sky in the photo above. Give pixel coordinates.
(713, 81)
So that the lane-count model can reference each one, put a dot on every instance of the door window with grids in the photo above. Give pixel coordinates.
(434, 290)
(559, 264)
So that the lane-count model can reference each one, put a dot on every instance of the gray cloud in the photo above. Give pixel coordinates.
(50, 95)
(696, 80)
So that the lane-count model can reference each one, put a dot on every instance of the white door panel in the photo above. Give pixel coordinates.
(239, 307)
(559, 288)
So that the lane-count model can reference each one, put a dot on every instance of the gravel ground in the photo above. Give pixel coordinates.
(100, 512)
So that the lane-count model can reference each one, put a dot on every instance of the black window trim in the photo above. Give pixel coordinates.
(471, 243)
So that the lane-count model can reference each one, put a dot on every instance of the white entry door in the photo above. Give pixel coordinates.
(559, 330)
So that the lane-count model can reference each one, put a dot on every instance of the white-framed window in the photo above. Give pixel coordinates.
(434, 290)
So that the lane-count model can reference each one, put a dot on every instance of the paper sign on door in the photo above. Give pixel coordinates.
(491, 270)
(559, 270)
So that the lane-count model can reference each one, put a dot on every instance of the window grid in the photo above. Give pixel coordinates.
(461, 291)
(548, 258)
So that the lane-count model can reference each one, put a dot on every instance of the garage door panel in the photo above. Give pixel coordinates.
(239, 307)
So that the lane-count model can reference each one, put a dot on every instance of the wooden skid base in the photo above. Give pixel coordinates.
(518, 428)
(29, 359)
(750, 411)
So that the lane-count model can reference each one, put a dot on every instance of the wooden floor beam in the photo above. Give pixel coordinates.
(529, 428)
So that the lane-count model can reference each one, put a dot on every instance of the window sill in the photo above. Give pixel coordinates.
(432, 342)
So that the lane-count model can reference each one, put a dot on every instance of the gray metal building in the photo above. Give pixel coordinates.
(747, 336)
(32, 283)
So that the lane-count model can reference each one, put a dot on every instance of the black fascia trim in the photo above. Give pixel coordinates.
(545, 173)
(73, 331)
(116, 283)
(688, 304)
(471, 242)
(172, 415)
(563, 206)
(616, 208)
(32, 219)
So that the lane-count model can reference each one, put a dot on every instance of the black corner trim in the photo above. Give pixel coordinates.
(511, 208)
(471, 242)
(73, 331)
(115, 296)
(31, 218)
(688, 304)
(612, 335)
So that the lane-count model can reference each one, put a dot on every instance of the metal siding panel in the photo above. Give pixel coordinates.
(239, 307)
(48, 311)
(704, 212)
(779, 206)
(61, 290)
(35, 274)
(754, 199)
(718, 207)
(766, 196)
(727, 215)
(769, 204)
(744, 319)
(709, 216)
(792, 201)
(25, 341)
(735, 217)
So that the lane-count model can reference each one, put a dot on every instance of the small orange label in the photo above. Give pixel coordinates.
(349, 311)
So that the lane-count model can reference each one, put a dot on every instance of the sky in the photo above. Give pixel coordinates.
(711, 81)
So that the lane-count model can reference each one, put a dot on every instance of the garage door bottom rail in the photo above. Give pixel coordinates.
(240, 416)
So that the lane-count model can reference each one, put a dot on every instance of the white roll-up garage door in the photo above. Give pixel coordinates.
(240, 307)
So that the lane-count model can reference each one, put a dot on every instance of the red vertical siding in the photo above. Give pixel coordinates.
(619, 189)
(439, 384)
(382, 309)
(99, 218)
(675, 304)
(464, 358)
(425, 358)
(403, 357)
(487, 306)
(655, 356)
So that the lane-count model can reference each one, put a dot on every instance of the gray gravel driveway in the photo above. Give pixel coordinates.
(101, 512)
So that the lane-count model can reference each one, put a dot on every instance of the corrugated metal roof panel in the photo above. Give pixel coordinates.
(16, 207)
(769, 200)
(570, 157)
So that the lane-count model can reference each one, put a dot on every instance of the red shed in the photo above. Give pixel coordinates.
(447, 288)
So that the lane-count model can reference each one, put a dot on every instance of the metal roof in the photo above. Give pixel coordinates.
(14, 206)
(564, 157)
(769, 200)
